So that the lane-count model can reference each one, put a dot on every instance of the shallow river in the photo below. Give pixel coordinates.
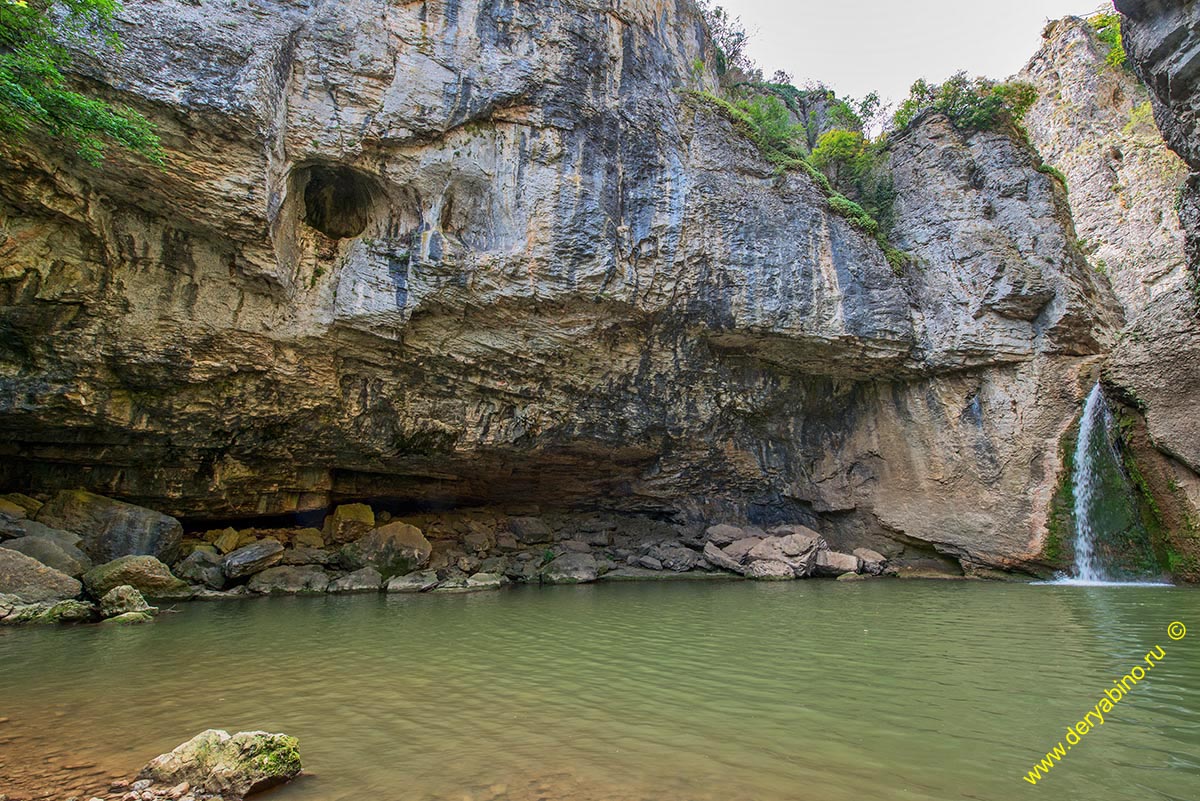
(805, 691)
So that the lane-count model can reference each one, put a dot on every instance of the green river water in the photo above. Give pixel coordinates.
(805, 691)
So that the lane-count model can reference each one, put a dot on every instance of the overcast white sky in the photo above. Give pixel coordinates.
(856, 46)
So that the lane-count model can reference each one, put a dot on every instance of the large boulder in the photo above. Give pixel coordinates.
(251, 559)
(347, 523)
(124, 600)
(54, 552)
(366, 580)
(571, 568)
(394, 549)
(230, 766)
(204, 568)
(832, 563)
(110, 529)
(146, 574)
(26, 504)
(289, 580)
(30, 581)
(798, 551)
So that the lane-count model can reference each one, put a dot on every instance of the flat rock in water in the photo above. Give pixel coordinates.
(366, 580)
(30, 581)
(231, 766)
(251, 559)
(145, 573)
(414, 582)
(571, 568)
(290, 580)
(110, 528)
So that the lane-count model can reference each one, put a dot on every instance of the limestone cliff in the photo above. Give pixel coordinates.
(479, 252)
(1093, 121)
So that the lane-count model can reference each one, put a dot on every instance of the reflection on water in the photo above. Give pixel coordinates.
(815, 690)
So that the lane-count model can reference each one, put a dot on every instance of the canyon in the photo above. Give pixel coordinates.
(485, 255)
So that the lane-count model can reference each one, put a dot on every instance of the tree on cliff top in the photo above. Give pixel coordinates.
(33, 92)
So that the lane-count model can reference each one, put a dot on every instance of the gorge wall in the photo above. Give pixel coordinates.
(486, 253)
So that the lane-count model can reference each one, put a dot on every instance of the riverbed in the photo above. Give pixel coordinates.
(822, 690)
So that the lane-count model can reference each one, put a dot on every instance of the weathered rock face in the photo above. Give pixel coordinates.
(500, 256)
(1094, 123)
(1161, 38)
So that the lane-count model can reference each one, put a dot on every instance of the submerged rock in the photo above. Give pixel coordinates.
(145, 573)
(30, 581)
(231, 766)
(110, 529)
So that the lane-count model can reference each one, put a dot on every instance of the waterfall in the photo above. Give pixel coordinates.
(1086, 478)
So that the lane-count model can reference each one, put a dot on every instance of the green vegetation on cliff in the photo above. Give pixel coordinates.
(34, 95)
(973, 104)
(1108, 30)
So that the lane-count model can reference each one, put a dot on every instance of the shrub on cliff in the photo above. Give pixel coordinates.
(33, 91)
(976, 104)
(1108, 31)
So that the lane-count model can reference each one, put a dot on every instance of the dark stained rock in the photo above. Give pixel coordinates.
(109, 529)
(204, 568)
(251, 559)
(530, 530)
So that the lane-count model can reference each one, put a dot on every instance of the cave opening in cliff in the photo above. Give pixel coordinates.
(337, 201)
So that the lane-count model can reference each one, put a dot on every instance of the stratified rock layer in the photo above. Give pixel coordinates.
(503, 255)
